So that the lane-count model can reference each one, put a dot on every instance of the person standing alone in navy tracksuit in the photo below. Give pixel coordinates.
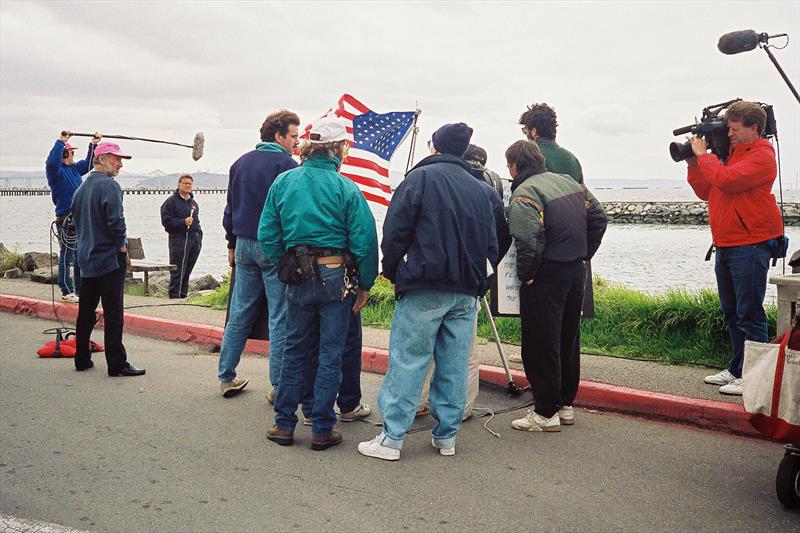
(180, 216)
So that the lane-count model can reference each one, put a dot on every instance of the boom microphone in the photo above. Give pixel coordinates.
(737, 42)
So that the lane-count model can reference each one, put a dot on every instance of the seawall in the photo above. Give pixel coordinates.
(676, 213)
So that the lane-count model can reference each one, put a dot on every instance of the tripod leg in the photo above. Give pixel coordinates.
(512, 388)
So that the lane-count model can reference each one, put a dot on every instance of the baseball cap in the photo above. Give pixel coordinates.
(68, 146)
(104, 148)
(329, 129)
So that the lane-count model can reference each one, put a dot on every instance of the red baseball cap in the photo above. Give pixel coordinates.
(68, 146)
(104, 148)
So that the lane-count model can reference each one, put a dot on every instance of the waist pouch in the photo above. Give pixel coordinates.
(778, 248)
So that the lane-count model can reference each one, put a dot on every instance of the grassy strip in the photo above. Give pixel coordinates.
(678, 327)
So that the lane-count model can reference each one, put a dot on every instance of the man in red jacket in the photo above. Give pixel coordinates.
(745, 225)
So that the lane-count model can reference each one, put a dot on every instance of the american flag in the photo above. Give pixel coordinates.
(373, 139)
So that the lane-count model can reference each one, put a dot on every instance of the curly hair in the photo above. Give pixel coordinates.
(748, 113)
(543, 118)
(278, 122)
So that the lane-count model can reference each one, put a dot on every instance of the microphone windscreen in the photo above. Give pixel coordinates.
(737, 42)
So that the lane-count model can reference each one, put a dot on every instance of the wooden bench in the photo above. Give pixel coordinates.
(138, 264)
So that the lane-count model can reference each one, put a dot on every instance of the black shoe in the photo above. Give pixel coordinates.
(129, 370)
(84, 366)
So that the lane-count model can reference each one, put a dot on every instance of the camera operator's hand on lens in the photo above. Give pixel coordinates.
(361, 299)
(231, 260)
(699, 146)
(65, 135)
(96, 138)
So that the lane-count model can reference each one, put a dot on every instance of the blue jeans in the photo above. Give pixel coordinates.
(316, 316)
(255, 276)
(350, 389)
(742, 282)
(427, 322)
(68, 258)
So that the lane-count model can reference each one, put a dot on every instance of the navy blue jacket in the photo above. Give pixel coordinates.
(439, 230)
(251, 176)
(100, 223)
(63, 179)
(174, 211)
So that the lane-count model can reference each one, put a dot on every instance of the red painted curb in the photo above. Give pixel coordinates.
(707, 414)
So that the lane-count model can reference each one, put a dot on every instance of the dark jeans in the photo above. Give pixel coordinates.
(350, 389)
(550, 316)
(316, 315)
(742, 282)
(107, 288)
(177, 242)
(68, 258)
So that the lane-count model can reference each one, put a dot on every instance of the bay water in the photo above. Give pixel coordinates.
(650, 258)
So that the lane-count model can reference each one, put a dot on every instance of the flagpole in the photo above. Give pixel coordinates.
(413, 143)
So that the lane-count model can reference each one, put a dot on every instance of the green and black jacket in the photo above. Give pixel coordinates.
(553, 218)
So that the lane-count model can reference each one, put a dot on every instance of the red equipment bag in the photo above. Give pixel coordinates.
(771, 378)
(66, 348)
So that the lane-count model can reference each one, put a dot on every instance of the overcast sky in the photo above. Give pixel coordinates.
(621, 75)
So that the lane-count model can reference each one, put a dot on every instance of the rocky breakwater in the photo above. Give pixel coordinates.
(676, 213)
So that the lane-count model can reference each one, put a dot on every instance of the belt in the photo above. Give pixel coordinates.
(330, 260)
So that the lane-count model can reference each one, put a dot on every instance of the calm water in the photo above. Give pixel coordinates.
(649, 258)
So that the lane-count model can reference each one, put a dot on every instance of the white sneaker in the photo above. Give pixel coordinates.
(734, 388)
(720, 378)
(567, 415)
(374, 448)
(361, 411)
(515, 359)
(535, 422)
(71, 298)
(444, 451)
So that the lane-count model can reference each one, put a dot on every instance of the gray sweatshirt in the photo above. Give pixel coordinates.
(100, 223)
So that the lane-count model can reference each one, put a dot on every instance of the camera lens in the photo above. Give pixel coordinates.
(679, 151)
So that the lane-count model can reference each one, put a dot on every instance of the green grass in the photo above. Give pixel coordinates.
(9, 259)
(216, 300)
(678, 327)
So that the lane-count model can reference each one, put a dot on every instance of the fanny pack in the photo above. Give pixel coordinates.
(778, 248)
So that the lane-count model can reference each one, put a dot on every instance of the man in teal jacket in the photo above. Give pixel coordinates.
(315, 219)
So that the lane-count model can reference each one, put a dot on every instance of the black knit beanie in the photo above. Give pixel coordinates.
(452, 139)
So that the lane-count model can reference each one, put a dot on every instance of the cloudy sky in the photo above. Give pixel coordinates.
(621, 75)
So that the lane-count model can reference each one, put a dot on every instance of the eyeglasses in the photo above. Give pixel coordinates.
(524, 130)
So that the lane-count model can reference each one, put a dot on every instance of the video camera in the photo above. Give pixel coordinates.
(714, 129)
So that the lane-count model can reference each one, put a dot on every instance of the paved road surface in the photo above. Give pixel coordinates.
(164, 452)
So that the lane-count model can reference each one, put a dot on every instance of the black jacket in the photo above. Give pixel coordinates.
(439, 230)
(174, 211)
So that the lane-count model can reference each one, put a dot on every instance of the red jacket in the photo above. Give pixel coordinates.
(741, 207)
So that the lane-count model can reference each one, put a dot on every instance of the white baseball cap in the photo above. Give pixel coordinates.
(330, 129)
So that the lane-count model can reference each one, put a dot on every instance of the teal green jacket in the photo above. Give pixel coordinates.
(560, 160)
(316, 206)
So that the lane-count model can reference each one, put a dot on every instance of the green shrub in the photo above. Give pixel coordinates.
(9, 259)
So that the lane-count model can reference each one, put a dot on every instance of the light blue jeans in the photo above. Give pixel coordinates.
(255, 276)
(427, 322)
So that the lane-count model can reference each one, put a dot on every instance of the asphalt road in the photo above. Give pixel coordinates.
(164, 452)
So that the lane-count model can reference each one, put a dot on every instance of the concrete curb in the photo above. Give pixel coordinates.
(707, 414)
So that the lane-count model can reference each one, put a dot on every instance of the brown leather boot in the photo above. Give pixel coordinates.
(281, 436)
(322, 442)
